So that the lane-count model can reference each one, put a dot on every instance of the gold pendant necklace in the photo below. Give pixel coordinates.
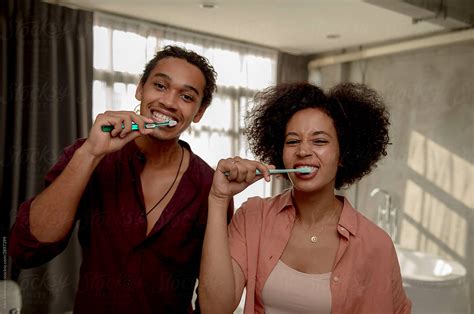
(314, 238)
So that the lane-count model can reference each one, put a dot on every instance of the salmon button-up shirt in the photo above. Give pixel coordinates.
(365, 277)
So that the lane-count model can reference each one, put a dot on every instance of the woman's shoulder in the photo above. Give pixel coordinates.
(269, 205)
(373, 235)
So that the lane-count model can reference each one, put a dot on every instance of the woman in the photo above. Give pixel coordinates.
(305, 250)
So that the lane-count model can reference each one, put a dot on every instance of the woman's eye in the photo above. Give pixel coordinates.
(320, 142)
(291, 142)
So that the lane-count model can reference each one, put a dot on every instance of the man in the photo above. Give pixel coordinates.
(140, 196)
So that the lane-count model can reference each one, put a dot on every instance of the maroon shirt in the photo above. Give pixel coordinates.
(123, 270)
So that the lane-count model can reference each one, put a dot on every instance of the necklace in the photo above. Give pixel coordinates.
(172, 184)
(314, 238)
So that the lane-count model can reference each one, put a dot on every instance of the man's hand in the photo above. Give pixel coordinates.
(100, 143)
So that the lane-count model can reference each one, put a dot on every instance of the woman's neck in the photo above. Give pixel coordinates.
(313, 208)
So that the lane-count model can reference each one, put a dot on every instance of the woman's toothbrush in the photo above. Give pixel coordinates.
(280, 171)
(170, 123)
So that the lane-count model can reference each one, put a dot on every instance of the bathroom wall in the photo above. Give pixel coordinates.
(429, 170)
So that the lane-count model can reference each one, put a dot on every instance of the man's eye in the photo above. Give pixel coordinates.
(160, 86)
(187, 98)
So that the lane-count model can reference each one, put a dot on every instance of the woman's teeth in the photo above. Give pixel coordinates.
(310, 169)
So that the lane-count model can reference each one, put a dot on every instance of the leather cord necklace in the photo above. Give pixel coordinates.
(172, 184)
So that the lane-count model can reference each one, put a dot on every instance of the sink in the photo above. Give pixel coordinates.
(434, 284)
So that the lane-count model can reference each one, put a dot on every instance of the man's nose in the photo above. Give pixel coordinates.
(169, 99)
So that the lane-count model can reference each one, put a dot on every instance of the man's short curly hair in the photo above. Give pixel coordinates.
(195, 59)
(358, 112)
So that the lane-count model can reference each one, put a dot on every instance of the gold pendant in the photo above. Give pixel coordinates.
(314, 239)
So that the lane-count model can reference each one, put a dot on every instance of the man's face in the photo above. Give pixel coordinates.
(173, 91)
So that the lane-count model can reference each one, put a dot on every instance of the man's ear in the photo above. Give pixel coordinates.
(139, 92)
(199, 114)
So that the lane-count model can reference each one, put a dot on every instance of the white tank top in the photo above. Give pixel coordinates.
(290, 291)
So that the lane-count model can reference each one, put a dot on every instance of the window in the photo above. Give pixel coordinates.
(242, 70)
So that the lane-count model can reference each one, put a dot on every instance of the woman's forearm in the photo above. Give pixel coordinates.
(217, 280)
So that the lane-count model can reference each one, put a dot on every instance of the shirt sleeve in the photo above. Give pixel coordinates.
(401, 303)
(24, 248)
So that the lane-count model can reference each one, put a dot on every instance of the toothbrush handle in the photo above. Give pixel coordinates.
(109, 128)
(273, 171)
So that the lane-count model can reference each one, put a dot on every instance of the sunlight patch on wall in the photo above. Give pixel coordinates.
(446, 170)
(433, 225)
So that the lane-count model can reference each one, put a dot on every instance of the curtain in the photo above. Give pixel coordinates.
(292, 68)
(46, 103)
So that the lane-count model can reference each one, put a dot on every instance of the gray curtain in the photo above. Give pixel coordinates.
(46, 103)
(292, 68)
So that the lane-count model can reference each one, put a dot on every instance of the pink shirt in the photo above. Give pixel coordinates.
(366, 274)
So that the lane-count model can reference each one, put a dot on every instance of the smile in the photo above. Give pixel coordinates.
(159, 117)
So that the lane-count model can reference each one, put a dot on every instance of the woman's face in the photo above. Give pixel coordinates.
(311, 141)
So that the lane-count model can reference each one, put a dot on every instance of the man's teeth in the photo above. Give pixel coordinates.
(161, 117)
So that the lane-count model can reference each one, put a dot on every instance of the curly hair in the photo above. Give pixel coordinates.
(190, 56)
(358, 113)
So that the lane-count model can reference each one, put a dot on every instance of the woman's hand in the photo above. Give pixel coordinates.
(233, 175)
(100, 143)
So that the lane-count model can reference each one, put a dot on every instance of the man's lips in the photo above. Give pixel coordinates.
(160, 117)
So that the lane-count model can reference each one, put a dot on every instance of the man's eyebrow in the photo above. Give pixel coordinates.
(186, 86)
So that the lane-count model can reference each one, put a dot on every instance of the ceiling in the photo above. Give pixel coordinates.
(293, 26)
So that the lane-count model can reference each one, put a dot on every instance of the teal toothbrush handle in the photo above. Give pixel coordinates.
(109, 128)
(279, 171)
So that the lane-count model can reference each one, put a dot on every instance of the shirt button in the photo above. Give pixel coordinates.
(336, 279)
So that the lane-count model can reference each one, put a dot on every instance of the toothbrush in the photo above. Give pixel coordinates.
(170, 123)
(280, 171)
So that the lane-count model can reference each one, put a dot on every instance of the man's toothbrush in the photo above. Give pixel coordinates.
(170, 123)
(280, 171)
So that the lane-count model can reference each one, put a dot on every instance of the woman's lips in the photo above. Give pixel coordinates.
(307, 176)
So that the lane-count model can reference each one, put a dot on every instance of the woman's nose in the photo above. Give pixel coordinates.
(303, 150)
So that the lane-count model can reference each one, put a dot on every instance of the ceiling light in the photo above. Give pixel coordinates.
(208, 5)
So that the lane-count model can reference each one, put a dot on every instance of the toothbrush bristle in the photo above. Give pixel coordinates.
(172, 123)
(305, 170)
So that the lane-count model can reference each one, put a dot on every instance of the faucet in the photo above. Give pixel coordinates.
(387, 214)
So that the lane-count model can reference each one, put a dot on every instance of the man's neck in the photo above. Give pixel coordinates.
(159, 152)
